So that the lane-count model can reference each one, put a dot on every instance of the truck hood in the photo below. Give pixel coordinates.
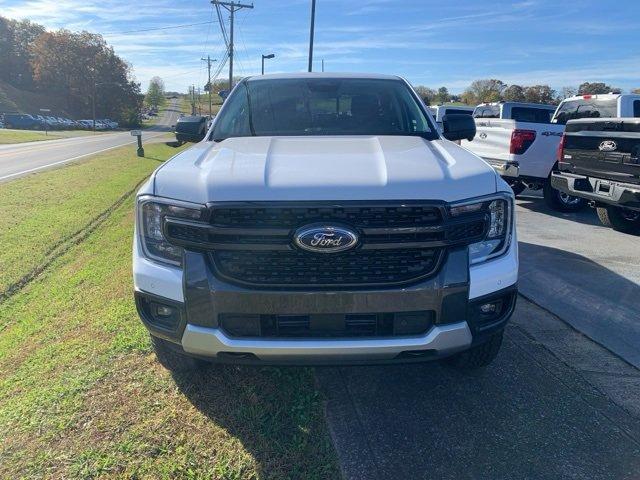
(324, 168)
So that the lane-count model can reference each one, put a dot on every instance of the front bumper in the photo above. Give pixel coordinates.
(456, 324)
(600, 191)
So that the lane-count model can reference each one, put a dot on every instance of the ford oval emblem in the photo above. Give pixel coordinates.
(321, 238)
(608, 146)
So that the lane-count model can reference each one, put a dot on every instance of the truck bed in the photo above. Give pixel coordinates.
(607, 149)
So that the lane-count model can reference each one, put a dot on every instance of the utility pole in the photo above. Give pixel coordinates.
(232, 7)
(209, 60)
(313, 21)
(323, 64)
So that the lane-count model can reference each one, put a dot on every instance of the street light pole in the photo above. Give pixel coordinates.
(313, 21)
(271, 55)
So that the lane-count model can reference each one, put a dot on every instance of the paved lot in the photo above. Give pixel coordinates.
(555, 404)
(21, 159)
(585, 273)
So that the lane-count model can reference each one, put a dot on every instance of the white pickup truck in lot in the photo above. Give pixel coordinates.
(440, 111)
(520, 142)
(325, 219)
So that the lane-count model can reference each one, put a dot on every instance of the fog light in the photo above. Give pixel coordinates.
(164, 311)
(489, 308)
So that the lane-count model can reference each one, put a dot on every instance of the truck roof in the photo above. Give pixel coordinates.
(521, 104)
(283, 76)
(601, 96)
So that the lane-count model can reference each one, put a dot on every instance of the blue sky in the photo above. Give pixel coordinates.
(429, 42)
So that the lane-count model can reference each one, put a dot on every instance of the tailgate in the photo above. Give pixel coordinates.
(607, 149)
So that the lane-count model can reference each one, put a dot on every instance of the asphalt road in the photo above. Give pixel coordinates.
(587, 274)
(555, 404)
(21, 159)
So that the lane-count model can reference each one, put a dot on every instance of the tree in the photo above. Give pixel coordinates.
(596, 88)
(539, 94)
(481, 91)
(16, 38)
(635, 90)
(155, 94)
(82, 69)
(443, 95)
(427, 94)
(566, 92)
(513, 93)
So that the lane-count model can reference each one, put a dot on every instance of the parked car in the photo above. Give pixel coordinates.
(599, 161)
(326, 219)
(21, 121)
(192, 128)
(440, 111)
(520, 142)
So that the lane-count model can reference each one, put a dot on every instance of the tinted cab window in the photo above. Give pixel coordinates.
(531, 115)
(586, 108)
(487, 111)
(457, 111)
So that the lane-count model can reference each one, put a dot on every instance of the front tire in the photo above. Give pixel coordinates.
(478, 356)
(560, 201)
(173, 360)
(620, 219)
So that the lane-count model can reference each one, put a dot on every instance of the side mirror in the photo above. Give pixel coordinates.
(458, 127)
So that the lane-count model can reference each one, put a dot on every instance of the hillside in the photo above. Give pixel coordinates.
(15, 100)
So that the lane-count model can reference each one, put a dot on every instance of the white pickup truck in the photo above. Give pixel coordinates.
(440, 111)
(325, 219)
(520, 142)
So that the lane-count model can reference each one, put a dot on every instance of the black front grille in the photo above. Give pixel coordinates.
(356, 216)
(355, 267)
(399, 242)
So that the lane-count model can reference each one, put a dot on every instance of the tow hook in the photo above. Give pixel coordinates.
(592, 203)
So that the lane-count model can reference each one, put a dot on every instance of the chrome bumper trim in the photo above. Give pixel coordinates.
(443, 339)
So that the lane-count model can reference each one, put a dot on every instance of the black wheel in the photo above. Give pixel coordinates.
(560, 201)
(478, 356)
(173, 360)
(518, 187)
(620, 219)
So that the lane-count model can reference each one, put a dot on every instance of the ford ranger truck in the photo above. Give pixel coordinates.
(520, 142)
(599, 160)
(325, 220)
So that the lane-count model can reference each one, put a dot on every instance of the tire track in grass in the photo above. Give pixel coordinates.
(65, 244)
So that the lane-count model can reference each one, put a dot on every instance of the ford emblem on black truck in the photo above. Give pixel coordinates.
(322, 238)
(608, 146)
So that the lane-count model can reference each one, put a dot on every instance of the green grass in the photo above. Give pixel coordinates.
(81, 395)
(21, 136)
(42, 212)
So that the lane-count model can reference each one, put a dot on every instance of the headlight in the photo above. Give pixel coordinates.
(151, 212)
(498, 236)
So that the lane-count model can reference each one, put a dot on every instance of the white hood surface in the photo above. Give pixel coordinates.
(325, 168)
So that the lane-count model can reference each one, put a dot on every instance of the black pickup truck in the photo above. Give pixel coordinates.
(599, 160)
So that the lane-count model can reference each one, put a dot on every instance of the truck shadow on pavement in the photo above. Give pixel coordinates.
(595, 300)
(585, 216)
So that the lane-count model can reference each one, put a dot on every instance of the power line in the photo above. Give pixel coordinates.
(158, 28)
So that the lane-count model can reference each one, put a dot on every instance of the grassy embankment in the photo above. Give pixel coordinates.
(21, 136)
(81, 395)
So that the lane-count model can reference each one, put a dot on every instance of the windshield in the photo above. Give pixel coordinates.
(322, 106)
(586, 108)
